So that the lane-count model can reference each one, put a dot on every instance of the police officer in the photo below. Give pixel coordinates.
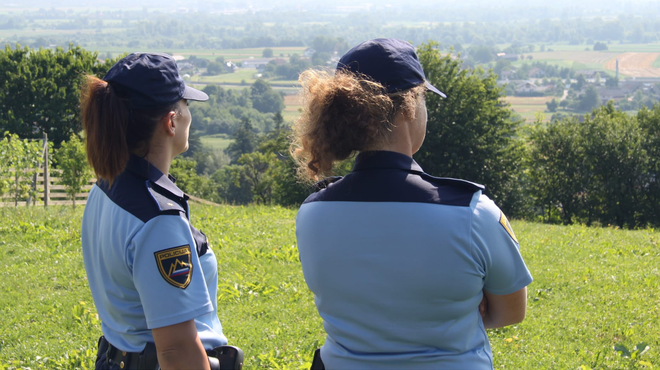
(407, 269)
(152, 274)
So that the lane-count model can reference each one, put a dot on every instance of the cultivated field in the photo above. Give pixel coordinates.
(636, 64)
(527, 107)
(595, 291)
(292, 104)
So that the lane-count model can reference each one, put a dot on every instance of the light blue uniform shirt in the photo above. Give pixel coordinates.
(146, 266)
(398, 261)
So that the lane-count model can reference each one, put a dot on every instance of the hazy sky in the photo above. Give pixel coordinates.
(611, 4)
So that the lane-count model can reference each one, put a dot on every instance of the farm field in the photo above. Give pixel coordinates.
(640, 63)
(636, 64)
(527, 107)
(242, 75)
(595, 289)
(292, 104)
(216, 141)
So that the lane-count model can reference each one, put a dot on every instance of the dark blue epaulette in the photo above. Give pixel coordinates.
(448, 181)
(325, 182)
(165, 204)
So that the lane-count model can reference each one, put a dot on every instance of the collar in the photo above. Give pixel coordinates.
(385, 160)
(143, 168)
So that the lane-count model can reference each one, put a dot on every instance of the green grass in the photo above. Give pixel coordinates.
(216, 141)
(528, 112)
(247, 75)
(594, 288)
(656, 64)
(290, 116)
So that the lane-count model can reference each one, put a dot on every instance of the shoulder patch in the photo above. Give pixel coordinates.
(175, 266)
(164, 203)
(507, 226)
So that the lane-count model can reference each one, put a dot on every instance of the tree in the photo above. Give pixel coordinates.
(581, 81)
(589, 100)
(599, 46)
(264, 98)
(471, 134)
(187, 179)
(71, 158)
(557, 168)
(267, 53)
(612, 82)
(552, 105)
(482, 54)
(19, 164)
(245, 141)
(615, 150)
(286, 189)
(649, 122)
(596, 170)
(214, 68)
(256, 174)
(40, 90)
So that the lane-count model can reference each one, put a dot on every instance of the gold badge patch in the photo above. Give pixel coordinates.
(507, 226)
(175, 266)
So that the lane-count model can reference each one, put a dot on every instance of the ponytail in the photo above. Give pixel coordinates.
(105, 119)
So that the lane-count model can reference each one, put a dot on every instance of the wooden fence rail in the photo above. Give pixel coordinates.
(48, 188)
(50, 192)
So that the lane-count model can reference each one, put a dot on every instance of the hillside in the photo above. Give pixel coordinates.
(594, 289)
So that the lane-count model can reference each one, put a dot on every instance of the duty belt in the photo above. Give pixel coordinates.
(223, 357)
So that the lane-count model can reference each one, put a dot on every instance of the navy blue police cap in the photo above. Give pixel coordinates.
(391, 62)
(150, 80)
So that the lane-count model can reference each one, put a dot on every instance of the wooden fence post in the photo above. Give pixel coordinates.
(46, 179)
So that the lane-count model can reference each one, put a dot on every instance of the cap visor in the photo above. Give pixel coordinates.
(434, 89)
(194, 94)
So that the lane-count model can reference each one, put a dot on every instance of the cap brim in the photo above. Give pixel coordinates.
(434, 89)
(194, 94)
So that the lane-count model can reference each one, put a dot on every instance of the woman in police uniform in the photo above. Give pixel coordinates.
(152, 275)
(407, 269)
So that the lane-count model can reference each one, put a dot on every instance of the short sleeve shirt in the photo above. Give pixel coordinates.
(398, 261)
(146, 266)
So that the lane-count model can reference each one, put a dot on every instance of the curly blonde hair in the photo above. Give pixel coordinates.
(343, 114)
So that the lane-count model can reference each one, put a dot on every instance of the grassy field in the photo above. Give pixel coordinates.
(527, 107)
(595, 289)
(292, 104)
(216, 142)
(656, 64)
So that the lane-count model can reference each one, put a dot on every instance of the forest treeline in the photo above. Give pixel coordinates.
(597, 169)
(207, 30)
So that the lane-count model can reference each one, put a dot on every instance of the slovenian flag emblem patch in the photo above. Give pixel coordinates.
(175, 266)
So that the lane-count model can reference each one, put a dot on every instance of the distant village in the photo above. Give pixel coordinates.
(574, 90)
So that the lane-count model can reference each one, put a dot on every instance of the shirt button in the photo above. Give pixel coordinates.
(121, 365)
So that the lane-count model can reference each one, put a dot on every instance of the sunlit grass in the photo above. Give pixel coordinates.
(594, 288)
